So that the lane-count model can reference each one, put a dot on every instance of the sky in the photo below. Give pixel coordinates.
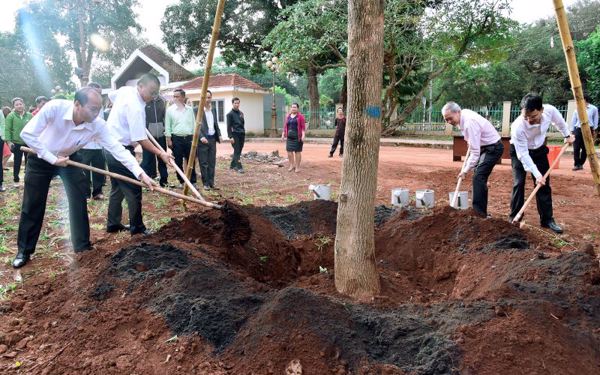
(150, 14)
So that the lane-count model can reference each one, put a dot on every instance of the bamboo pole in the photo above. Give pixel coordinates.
(177, 169)
(569, 49)
(207, 69)
(132, 181)
(538, 186)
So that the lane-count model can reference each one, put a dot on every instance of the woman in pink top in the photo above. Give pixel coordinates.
(294, 130)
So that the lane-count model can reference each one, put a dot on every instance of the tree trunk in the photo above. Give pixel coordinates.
(355, 267)
(313, 97)
(344, 93)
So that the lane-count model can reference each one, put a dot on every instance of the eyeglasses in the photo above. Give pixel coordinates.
(177, 96)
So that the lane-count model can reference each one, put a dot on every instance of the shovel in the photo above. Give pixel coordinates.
(134, 182)
(455, 196)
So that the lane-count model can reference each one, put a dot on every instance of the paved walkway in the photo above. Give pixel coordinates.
(405, 142)
(392, 142)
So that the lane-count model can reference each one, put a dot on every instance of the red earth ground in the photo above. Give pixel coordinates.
(249, 289)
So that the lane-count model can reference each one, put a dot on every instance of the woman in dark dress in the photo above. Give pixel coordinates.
(340, 129)
(294, 130)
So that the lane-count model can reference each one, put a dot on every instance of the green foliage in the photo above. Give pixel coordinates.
(310, 33)
(79, 22)
(589, 60)
(187, 28)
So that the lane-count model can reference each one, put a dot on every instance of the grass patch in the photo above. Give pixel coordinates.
(5, 290)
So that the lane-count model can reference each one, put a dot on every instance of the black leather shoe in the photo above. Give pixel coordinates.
(146, 232)
(21, 259)
(553, 227)
(117, 228)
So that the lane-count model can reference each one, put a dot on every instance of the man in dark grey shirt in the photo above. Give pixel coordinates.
(236, 133)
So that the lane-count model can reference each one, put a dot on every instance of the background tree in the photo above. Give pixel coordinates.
(31, 69)
(355, 267)
(309, 39)
(187, 26)
(88, 27)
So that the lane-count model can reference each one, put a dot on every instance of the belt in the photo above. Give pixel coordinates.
(182, 136)
(211, 136)
(487, 147)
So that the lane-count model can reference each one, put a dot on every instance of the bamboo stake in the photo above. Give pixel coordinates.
(207, 69)
(569, 49)
(132, 181)
(538, 186)
(177, 169)
(455, 196)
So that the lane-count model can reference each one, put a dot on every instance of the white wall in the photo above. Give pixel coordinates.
(251, 104)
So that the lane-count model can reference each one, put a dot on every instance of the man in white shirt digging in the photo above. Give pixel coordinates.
(529, 153)
(56, 133)
(485, 149)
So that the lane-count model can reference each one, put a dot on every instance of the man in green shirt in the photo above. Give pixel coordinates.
(179, 130)
(15, 122)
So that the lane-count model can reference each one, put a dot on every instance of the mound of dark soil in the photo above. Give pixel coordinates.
(240, 291)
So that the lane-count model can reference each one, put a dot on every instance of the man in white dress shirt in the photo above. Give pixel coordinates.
(210, 135)
(56, 133)
(529, 153)
(579, 152)
(127, 120)
(485, 150)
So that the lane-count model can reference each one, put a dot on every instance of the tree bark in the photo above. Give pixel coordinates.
(313, 97)
(344, 93)
(355, 267)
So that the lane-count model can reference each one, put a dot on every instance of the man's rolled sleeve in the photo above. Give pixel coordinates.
(110, 144)
(34, 128)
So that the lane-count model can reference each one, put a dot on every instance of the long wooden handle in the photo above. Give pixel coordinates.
(132, 181)
(174, 165)
(538, 186)
(455, 196)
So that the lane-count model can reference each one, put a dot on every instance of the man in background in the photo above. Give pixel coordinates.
(236, 133)
(579, 153)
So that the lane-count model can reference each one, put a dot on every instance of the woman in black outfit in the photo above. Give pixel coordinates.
(294, 130)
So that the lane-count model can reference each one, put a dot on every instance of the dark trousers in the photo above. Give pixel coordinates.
(18, 156)
(38, 175)
(207, 156)
(1, 168)
(149, 163)
(238, 144)
(182, 147)
(544, 195)
(95, 158)
(337, 139)
(123, 190)
(487, 160)
(579, 153)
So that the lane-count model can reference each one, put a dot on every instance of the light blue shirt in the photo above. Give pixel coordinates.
(592, 112)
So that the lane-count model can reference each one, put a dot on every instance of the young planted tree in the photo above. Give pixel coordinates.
(355, 267)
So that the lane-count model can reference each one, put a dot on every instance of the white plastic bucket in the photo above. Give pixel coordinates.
(425, 198)
(400, 197)
(322, 192)
(462, 201)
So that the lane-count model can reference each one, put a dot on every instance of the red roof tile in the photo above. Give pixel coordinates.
(222, 80)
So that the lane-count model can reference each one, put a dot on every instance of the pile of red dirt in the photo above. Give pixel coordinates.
(248, 290)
